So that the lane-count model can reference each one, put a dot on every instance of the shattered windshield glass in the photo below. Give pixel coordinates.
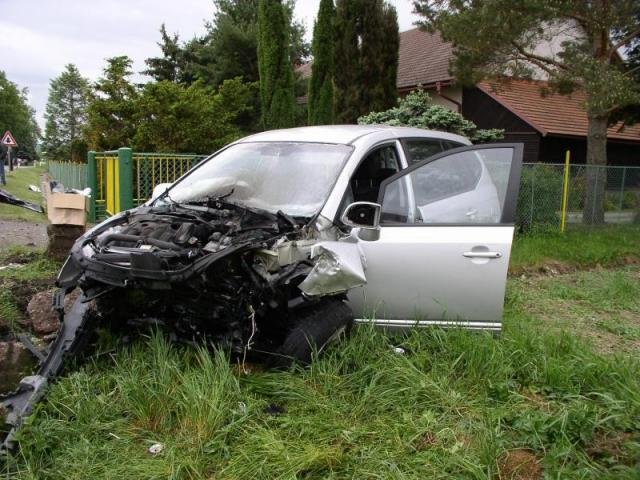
(295, 178)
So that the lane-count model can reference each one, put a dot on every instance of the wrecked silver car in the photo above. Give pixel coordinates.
(275, 244)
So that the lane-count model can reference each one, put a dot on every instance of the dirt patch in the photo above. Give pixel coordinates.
(553, 268)
(22, 233)
(426, 441)
(537, 400)
(607, 446)
(43, 320)
(23, 291)
(21, 258)
(519, 464)
(15, 362)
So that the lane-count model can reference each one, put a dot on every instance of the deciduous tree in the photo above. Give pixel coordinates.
(17, 115)
(191, 119)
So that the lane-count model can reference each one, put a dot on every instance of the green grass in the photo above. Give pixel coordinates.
(452, 407)
(578, 248)
(17, 183)
(560, 385)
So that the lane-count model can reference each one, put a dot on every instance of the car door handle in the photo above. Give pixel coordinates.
(482, 254)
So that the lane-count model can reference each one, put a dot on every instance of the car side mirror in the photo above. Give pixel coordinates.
(362, 214)
(159, 190)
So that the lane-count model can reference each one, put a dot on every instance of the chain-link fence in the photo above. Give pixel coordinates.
(540, 204)
(151, 169)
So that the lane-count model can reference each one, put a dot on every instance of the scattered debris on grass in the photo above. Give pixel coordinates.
(156, 448)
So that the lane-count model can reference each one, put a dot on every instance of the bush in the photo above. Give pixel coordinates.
(416, 110)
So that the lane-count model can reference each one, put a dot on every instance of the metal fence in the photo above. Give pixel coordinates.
(123, 179)
(71, 175)
(542, 188)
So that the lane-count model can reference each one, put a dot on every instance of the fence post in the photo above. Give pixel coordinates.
(565, 191)
(624, 178)
(125, 161)
(92, 182)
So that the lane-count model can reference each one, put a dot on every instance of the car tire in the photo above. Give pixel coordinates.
(316, 327)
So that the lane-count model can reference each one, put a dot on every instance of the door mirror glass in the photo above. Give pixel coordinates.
(362, 214)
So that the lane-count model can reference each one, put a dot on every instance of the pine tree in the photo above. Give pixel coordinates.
(274, 65)
(321, 101)
(366, 57)
(492, 41)
(171, 65)
(112, 108)
(66, 114)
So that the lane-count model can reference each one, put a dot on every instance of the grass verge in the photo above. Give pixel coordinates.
(538, 401)
(17, 183)
(577, 248)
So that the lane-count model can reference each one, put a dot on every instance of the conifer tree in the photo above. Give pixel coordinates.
(274, 66)
(321, 101)
(366, 58)
(66, 114)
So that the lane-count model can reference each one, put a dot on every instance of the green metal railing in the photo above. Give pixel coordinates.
(122, 179)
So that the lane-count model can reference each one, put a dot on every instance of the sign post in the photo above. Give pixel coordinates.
(9, 141)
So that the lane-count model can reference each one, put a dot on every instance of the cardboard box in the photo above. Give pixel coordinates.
(66, 208)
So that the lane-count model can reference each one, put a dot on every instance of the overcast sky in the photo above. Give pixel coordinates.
(39, 37)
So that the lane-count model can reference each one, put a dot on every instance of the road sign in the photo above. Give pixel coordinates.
(8, 140)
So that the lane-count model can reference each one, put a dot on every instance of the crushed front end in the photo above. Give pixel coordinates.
(219, 273)
(215, 273)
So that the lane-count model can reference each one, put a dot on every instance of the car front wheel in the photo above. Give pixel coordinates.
(317, 326)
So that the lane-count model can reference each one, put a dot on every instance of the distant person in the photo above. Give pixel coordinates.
(3, 157)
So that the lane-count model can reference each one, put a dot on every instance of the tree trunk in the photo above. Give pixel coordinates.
(593, 213)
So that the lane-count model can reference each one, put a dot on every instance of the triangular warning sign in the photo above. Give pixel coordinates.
(8, 140)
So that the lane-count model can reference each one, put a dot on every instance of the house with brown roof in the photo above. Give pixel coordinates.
(548, 125)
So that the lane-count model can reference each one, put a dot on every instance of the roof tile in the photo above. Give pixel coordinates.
(423, 59)
(552, 113)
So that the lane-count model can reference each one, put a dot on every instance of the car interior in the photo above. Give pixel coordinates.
(376, 167)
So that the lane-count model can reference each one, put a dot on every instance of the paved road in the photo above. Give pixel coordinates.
(22, 233)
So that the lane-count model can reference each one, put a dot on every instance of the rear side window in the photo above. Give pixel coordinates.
(417, 150)
(448, 145)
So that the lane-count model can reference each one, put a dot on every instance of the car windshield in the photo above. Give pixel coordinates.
(295, 178)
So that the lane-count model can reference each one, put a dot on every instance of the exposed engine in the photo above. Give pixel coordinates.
(203, 272)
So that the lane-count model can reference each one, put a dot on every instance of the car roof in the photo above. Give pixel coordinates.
(347, 134)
